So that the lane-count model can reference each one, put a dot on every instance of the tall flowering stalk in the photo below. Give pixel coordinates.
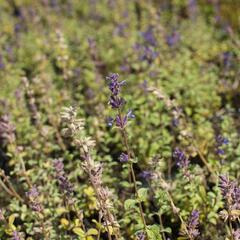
(192, 225)
(231, 195)
(66, 188)
(182, 162)
(121, 121)
(31, 103)
(64, 185)
(75, 130)
(8, 138)
(34, 203)
(220, 142)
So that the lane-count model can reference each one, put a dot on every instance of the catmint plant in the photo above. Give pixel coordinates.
(34, 203)
(192, 224)
(75, 129)
(31, 103)
(231, 195)
(182, 162)
(7, 130)
(121, 121)
(64, 185)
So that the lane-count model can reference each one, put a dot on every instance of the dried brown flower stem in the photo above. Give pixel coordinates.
(96, 190)
(175, 209)
(9, 187)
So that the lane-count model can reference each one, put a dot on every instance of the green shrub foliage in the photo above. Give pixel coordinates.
(119, 120)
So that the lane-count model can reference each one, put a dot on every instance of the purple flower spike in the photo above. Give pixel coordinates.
(33, 197)
(121, 122)
(114, 85)
(220, 151)
(192, 224)
(116, 102)
(225, 185)
(220, 142)
(149, 37)
(123, 158)
(64, 184)
(173, 39)
(182, 160)
(146, 175)
(230, 192)
(141, 236)
(7, 130)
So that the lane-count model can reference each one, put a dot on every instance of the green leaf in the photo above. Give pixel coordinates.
(92, 231)
(143, 194)
(153, 232)
(129, 204)
(11, 219)
(79, 231)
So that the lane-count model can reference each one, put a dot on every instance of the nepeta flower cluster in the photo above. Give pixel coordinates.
(231, 194)
(117, 102)
(220, 142)
(146, 174)
(173, 39)
(192, 224)
(123, 158)
(7, 130)
(115, 87)
(31, 102)
(146, 53)
(182, 161)
(64, 184)
(33, 198)
(149, 37)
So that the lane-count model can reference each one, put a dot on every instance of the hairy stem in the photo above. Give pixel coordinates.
(87, 158)
(129, 153)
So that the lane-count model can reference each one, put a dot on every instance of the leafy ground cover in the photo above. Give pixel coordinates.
(119, 120)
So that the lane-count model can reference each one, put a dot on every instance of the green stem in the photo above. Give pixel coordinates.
(178, 214)
(125, 140)
(161, 224)
(204, 161)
